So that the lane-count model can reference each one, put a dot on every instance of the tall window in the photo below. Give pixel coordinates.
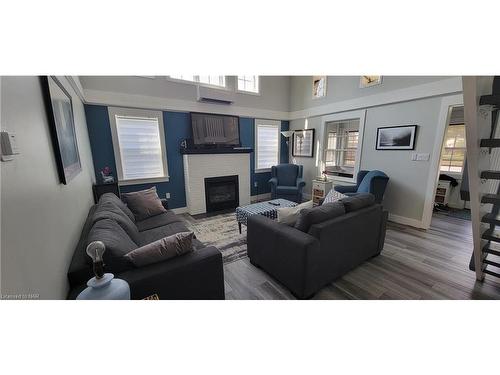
(139, 145)
(267, 144)
(219, 81)
(341, 147)
(248, 84)
(453, 153)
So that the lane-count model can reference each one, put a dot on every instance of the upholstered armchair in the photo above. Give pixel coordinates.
(287, 182)
(373, 182)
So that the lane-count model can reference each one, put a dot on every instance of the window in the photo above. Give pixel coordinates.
(248, 84)
(341, 147)
(219, 81)
(139, 145)
(267, 144)
(453, 154)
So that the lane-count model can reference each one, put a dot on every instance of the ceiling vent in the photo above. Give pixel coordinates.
(214, 96)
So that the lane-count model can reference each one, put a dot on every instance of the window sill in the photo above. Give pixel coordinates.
(265, 170)
(141, 181)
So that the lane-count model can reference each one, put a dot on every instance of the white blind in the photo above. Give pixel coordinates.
(140, 147)
(268, 137)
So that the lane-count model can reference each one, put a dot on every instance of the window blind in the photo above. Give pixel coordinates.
(267, 146)
(140, 147)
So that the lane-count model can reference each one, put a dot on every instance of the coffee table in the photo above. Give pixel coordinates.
(261, 208)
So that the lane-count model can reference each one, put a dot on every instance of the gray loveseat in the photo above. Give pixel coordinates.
(195, 275)
(306, 261)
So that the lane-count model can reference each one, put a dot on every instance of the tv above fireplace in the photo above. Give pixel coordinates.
(216, 130)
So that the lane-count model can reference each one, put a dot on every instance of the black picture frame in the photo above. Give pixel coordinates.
(297, 146)
(59, 109)
(397, 138)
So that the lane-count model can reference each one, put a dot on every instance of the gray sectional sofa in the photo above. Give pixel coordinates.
(195, 275)
(324, 250)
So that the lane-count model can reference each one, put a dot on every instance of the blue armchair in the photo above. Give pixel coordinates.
(287, 182)
(373, 182)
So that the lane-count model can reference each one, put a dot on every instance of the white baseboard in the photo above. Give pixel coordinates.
(180, 210)
(260, 197)
(406, 221)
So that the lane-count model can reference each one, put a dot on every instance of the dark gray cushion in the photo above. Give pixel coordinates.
(117, 243)
(358, 201)
(144, 203)
(318, 214)
(109, 210)
(155, 234)
(162, 249)
(110, 197)
(157, 221)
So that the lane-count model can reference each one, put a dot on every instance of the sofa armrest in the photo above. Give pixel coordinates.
(285, 252)
(196, 275)
(346, 188)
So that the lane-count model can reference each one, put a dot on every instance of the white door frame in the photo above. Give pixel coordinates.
(447, 103)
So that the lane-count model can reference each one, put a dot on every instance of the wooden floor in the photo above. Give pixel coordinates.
(415, 264)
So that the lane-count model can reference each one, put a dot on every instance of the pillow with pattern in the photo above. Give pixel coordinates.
(333, 196)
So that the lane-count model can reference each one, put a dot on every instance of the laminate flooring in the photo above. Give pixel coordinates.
(414, 264)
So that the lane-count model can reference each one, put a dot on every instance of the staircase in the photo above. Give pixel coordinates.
(482, 105)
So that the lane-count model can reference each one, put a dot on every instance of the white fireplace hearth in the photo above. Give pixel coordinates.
(197, 167)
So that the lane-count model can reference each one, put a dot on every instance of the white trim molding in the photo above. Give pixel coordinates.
(75, 83)
(108, 98)
(447, 104)
(406, 221)
(113, 113)
(343, 116)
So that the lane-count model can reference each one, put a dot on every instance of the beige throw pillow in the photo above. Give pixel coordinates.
(289, 215)
(163, 249)
(144, 203)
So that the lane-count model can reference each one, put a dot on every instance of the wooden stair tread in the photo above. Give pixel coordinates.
(491, 198)
(493, 175)
(491, 219)
(495, 142)
(489, 250)
(491, 235)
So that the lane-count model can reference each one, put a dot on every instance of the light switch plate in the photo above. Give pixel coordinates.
(167, 195)
(420, 156)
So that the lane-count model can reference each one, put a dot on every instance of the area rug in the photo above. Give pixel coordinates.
(222, 232)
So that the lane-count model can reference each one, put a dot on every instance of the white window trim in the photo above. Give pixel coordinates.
(344, 117)
(131, 112)
(247, 92)
(196, 84)
(275, 123)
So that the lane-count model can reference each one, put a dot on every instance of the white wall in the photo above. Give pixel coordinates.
(341, 88)
(41, 218)
(166, 94)
(406, 192)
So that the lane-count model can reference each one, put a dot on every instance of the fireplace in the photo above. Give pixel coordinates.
(221, 193)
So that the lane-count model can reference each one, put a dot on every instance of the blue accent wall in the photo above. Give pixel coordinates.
(177, 128)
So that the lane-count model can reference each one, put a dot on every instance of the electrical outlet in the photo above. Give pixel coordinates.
(167, 195)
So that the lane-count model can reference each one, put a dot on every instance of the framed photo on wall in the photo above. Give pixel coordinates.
(303, 143)
(396, 137)
(59, 108)
(319, 86)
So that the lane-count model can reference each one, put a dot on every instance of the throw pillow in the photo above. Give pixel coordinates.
(333, 196)
(358, 201)
(144, 203)
(318, 214)
(163, 249)
(289, 215)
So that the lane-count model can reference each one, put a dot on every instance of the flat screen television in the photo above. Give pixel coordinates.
(209, 129)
